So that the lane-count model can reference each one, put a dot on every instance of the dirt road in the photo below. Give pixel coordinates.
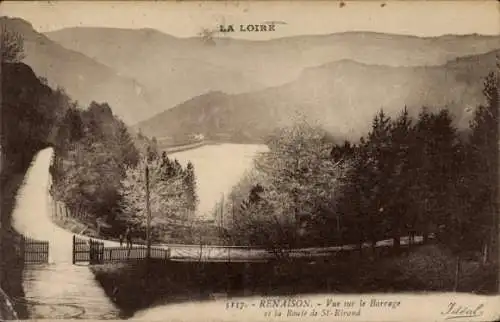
(59, 289)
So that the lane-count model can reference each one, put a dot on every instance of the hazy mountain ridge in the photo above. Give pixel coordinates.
(177, 69)
(142, 72)
(163, 63)
(83, 78)
(341, 96)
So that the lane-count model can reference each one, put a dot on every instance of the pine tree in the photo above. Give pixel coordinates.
(380, 167)
(70, 130)
(402, 177)
(354, 202)
(152, 153)
(129, 154)
(190, 188)
(439, 148)
(484, 163)
(177, 168)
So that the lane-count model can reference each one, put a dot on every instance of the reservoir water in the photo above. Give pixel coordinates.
(218, 168)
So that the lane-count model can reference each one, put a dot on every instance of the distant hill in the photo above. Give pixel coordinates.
(178, 69)
(173, 69)
(341, 96)
(83, 78)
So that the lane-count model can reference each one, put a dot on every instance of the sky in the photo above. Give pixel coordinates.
(191, 18)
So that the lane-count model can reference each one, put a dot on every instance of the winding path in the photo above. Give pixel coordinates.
(59, 289)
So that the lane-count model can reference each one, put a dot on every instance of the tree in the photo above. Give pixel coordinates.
(402, 176)
(430, 159)
(93, 149)
(299, 165)
(380, 164)
(126, 149)
(70, 129)
(291, 186)
(354, 198)
(484, 164)
(190, 188)
(342, 152)
(12, 45)
(90, 180)
(167, 197)
(260, 224)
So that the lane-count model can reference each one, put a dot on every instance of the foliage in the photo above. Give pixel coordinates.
(190, 188)
(482, 176)
(291, 186)
(164, 194)
(172, 195)
(93, 151)
(100, 167)
(30, 112)
(407, 177)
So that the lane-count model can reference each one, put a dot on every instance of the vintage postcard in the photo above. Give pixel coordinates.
(250, 161)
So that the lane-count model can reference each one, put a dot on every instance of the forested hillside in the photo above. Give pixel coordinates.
(30, 110)
(408, 176)
(83, 78)
(340, 96)
(99, 170)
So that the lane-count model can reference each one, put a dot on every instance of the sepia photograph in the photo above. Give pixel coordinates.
(230, 161)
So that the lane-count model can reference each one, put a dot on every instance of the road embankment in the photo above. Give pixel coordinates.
(184, 147)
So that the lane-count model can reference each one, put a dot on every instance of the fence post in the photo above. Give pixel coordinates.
(22, 249)
(92, 251)
(73, 255)
(52, 208)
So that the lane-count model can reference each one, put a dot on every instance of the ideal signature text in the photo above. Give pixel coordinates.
(456, 311)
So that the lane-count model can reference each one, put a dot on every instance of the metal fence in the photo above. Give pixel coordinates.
(81, 250)
(94, 252)
(113, 254)
(34, 251)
